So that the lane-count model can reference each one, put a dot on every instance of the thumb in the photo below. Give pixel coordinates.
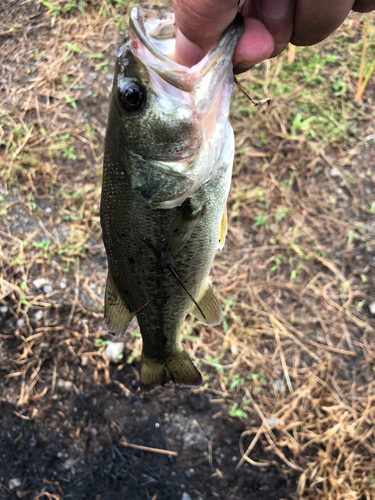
(200, 23)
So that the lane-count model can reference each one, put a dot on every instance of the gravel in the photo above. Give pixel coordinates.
(39, 283)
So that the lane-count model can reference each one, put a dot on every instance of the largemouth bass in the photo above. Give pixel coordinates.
(167, 171)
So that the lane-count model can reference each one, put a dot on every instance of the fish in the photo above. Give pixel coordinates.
(167, 171)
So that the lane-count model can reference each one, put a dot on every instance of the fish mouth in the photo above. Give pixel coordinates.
(155, 31)
(202, 91)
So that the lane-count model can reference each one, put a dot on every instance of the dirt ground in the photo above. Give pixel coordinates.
(286, 410)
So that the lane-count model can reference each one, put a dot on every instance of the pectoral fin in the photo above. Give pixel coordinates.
(223, 228)
(180, 230)
(210, 305)
(116, 314)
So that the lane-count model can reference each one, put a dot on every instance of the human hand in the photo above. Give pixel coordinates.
(269, 26)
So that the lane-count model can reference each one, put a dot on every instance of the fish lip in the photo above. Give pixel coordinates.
(178, 75)
(138, 24)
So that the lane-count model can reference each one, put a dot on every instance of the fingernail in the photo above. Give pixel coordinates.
(187, 53)
(275, 9)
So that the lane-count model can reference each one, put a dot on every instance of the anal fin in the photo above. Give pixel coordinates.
(116, 313)
(210, 305)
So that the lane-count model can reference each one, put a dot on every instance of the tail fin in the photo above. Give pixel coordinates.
(179, 369)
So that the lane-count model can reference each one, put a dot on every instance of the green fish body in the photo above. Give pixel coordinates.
(167, 170)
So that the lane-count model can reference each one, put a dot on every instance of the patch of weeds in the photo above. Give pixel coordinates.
(45, 248)
(74, 246)
(62, 7)
(352, 235)
(215, 362)
(187, 333)
(261, 219)
(226, 311)
(359, 306)
(237, 382)
(301, 125)
(294, 273)
(281, 213)
(240, 410)
(90, 132)
(72, 103)
(278, 259)
(62, 147)
(135, 346)
(259, 380)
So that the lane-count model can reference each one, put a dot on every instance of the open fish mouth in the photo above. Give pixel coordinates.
(199, 95)
(156, 32)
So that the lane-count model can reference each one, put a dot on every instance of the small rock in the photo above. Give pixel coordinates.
(84, 361)
(47, 289)
(185, 496)
(38, 283)
(64, 384)
(334, 172)
(372, 307)
(272, 421)
(15, 482)
(277, 385)
(63, 285)
(113, 350)
(20, 323)
(4, 309)
(189, 473)
(38, 315)
(68, 464)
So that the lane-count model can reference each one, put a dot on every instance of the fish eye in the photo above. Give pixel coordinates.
(132, 97)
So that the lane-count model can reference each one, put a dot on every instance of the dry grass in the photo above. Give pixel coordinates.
(295, 355)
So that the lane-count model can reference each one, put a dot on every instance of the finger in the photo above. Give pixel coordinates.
(255, 45)
(187, 53)
(364, 5)
(277, 16)
(315, 21)
(204, 22)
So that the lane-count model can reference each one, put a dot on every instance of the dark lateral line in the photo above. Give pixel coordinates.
(169, 266)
